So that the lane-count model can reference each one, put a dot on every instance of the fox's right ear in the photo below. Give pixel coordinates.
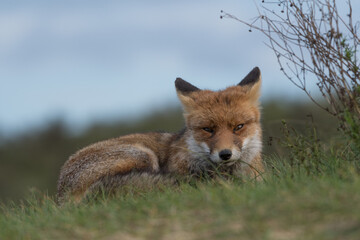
(184, 90)
(184, 87)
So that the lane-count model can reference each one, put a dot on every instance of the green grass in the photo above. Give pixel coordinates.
(291, 203)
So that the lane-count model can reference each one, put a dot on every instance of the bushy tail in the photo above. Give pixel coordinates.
(134, 182)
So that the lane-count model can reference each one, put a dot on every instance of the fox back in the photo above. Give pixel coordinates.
(222, 132)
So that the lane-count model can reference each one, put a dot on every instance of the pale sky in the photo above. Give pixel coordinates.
(87, 61)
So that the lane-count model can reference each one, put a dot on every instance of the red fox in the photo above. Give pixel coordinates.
(222, 128)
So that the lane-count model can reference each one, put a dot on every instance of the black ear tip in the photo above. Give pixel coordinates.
(256, 70)
(184, 87)
(252, 77)
(178, 81)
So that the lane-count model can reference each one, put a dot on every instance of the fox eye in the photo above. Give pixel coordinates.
(238, 127)
(207, 129)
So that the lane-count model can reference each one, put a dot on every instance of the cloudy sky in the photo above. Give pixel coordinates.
(87, 61)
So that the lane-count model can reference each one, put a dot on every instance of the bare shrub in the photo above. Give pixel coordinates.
(315, 44)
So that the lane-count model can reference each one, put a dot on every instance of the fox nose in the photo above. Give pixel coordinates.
(225, 154)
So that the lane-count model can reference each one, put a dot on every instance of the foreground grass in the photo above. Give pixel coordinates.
(290, 206)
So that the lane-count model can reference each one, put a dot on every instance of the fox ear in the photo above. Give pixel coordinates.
(252, 83)
(252, 77)
(183, 89)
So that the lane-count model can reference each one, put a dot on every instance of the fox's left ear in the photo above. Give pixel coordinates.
(252, 83)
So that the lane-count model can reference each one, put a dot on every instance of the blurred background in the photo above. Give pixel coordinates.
(76, 72)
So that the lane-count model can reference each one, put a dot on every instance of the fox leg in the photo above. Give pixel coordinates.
(254, 169)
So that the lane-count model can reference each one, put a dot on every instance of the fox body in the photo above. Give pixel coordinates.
(222, 129)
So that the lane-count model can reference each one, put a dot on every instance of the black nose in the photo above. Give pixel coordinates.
(225, 154)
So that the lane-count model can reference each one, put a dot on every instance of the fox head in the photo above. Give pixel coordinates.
(223, 126)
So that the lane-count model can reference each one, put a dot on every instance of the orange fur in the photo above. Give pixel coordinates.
(222, 128)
